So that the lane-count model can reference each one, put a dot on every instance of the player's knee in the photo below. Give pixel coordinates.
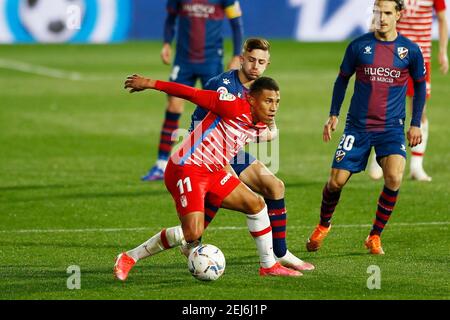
(275, 190)
(256, 205)
(393, 180)
(335, 185)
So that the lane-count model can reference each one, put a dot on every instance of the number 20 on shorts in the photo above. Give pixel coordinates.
(347, 142)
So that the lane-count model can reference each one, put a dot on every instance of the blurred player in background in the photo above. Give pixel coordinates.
(416, 24)
(383, 62)
(196, 172)
(254, 60)
(199, 55)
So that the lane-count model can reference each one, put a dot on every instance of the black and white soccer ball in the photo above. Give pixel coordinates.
(206, 263)
(51, 20)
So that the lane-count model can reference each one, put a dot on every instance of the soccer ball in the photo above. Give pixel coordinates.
(206, 263)
(49, 20)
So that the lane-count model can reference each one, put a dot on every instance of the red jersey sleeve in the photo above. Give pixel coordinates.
(439, 5)
(224, 104)
(204, 98)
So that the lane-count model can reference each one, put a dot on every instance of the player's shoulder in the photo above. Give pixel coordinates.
(226, 96)
(224, 80)
(363, 39)
(405, 42)
(361, 42)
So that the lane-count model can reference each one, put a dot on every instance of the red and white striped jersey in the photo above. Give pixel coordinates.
(217, 140)
(417, 21)
(226, 129)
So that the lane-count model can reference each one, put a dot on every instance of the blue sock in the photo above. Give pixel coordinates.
(278, 218)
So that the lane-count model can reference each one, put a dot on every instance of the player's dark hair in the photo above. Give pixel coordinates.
(263, 83)
(399, 4)
(255, 43)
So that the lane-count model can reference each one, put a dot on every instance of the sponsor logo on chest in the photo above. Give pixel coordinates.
(198, 10)
(382, 72)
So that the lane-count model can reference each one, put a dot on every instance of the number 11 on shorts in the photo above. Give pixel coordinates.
(181, 183)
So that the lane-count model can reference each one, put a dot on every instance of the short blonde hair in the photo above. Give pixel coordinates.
(255, 43)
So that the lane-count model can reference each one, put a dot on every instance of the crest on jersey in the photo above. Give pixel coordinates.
(222, 90)
(340, 155)
(183, 201)
(402, 52)
(368, 50)
(227, 97)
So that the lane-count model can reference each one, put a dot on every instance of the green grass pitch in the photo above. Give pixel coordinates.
(73, 150)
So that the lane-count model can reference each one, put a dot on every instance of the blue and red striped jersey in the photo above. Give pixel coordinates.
(382, 69)
(200, 28)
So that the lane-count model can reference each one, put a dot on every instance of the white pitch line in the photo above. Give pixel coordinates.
(46, 71)
(39, 70)
(106, 230)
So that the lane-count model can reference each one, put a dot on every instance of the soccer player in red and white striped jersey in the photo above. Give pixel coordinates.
(196, 172)
(416, 24)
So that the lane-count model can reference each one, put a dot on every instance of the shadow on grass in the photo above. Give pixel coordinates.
(31, 280)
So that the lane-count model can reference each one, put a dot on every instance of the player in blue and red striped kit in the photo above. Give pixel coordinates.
(199, 55)
(383, 61)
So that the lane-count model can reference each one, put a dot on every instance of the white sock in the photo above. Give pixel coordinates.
(289, 257)
(418, 152)
(259, 227)
(165, 239)
(375, 171)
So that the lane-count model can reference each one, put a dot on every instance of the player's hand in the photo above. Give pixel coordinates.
(235, 63)
(414, 136)
(138, 83)
(329, 127)
(443, 62)
(166, 53)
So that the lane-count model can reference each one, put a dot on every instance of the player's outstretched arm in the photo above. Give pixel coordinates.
(414, 136)
(206, 98)
(138, 83)
(329, 127)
